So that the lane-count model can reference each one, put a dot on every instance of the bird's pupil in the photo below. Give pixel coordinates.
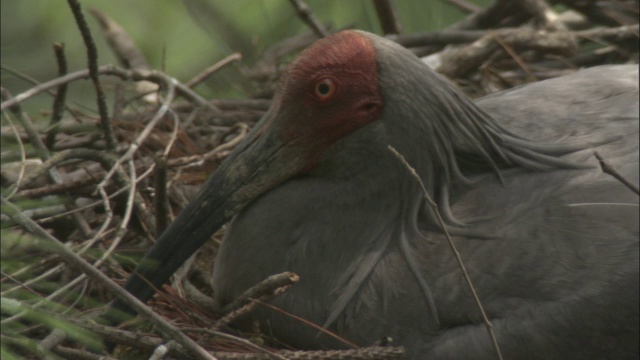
(323, 89)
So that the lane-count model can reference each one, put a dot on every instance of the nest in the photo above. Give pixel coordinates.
(90, 193)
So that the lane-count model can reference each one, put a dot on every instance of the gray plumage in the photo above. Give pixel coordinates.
(559, 276)
(550, 242)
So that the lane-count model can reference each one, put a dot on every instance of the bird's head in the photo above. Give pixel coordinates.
(327, 93)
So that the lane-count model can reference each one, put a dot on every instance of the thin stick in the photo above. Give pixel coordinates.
(23, 157)
(153, 76)
(309, 323)
(248, 307)
(266, 286)
(608, 169)
(304, 12)
(92, 56)
(161, 201)
(238, 340)
(388, 16)
(196, 160)
(434, 206)
(203, 75)
(518, 59)
(465, 6)
(59, 100)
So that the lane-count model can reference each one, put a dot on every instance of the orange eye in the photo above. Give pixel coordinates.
(325, 89)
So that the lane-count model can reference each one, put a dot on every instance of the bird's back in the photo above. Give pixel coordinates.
(591, 104)
(560, 278)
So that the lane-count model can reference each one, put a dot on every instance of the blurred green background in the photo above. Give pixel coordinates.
(180, 37)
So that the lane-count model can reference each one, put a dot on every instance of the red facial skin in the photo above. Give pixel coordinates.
(330, 91)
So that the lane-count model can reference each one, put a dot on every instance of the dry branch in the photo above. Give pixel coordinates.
(386, 11)
(308, 17)
(58, 103)
(458, 63)
(92, 56)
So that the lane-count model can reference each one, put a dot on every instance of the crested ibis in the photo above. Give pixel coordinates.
(549, 240)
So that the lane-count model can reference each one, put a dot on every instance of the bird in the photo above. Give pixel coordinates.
(549, 241)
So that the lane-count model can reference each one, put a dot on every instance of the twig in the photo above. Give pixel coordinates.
(493, 14)
(169, 330)
(19, 74)
(128, 54)
(612, 35)
(465, 6)
(26, 284)
(199, 298)
(92, 56)
(368, 353)
(434, 206)
(602, 13)
(23, 157)
(195, 160)
(59, 100)
(388, 16)
(104, 159)
(267, 66)
(53, 189)
(126, 217)
(309, 323)
(53, 339)
(235, 104)
(9, 340)
(248, 307)
(122, 45)
(161, 201)
(307, 16)
(204, 74)
(35, 82)
(457, 63)
(238, 340)
(365, 353)
(608, 169)
(266, 286)
(77, 354)
(153, 76)
(515, 57)
(444, 37)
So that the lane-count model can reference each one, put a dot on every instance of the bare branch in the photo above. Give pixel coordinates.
(153, 76)
(304, 12)
(92, 55)
(203, 75)
(608, 169)
(59, 101)
(388, 16)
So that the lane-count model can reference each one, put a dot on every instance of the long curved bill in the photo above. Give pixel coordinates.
(260, 163)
